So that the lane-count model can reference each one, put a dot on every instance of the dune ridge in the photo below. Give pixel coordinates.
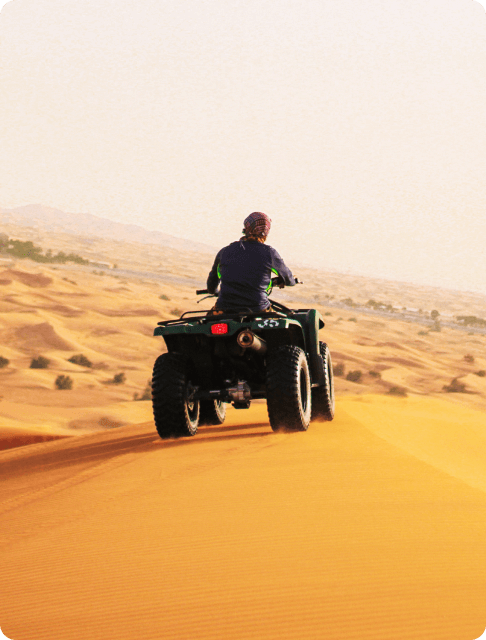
(240, 532)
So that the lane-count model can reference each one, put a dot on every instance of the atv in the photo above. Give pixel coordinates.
(240, 356)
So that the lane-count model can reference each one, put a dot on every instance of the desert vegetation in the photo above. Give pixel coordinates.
(338, 369)
(27, 249)
(455, 386)
(64, 382)
(80, 360)
(399, 392)
(146, 393)
(39, 362)
(119, 378)
(470, 321)
(354, 376)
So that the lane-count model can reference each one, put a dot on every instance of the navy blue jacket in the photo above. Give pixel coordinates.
(245, 268)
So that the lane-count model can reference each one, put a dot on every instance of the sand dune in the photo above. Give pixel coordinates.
(41, 336)
(371, 526)
(58, 313)
(345, 531)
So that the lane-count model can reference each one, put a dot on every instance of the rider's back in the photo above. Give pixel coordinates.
(245, 269)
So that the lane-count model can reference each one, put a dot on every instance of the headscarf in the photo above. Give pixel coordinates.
(257, 226)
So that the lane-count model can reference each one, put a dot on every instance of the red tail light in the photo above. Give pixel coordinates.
(219, 329)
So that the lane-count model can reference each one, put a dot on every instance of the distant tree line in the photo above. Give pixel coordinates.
(20, 249)
(471, 321)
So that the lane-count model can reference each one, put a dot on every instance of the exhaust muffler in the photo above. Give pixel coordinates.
(248, 340)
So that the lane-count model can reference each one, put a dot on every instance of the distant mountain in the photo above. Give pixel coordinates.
(87, 225)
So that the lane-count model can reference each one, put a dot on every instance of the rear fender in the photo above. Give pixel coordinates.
(312, 321)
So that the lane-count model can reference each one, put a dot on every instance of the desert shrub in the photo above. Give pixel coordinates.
(4, 362)
(39, 363)
(338, 369)
(454, 387)
(175, 311)
(469, 358)
(352, 320)
(164, 297)
(354, 376)
(434, 314)
(146, 394)
(397, 391)
(481, 373)
(119, 378)
(374, 374)
(100, 365)
(423, 333)
(348, 302)
(64, 382)
(328, 313)
(81, 360)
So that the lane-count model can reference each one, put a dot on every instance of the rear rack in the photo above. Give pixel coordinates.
(241, 315)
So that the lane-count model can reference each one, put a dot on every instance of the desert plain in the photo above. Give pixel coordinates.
(369, 526)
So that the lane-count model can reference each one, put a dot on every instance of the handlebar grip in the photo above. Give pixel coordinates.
(201, 291)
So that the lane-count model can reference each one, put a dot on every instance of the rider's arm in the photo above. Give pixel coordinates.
(214, 276)
(279, 265)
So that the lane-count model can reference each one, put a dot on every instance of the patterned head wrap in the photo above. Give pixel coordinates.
(257, 225)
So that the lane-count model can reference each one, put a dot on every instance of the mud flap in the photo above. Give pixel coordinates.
(314, 322)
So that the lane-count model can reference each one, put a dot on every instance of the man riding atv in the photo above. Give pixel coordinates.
(245, 269)
(246, 348)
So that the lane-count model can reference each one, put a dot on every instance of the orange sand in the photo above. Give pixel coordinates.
(372, 526)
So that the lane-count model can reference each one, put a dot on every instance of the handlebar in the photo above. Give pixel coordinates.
(276, 282)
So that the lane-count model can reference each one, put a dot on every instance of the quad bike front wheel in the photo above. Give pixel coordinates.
(176, 413)
(288, 390)
(212, 412)
(323, 396)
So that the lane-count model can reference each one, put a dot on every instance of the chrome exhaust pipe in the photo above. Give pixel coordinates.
(248, 340)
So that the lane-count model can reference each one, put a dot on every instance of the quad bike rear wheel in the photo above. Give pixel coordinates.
(288, 389)
(323, 396)
(176, 413)
(212, 412)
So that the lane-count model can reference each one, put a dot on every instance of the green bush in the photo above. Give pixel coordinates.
(374, 374)
(119, 378)
(354, 376)
(39, 363)
(481, 373)
(338, 369)
(164, 297)
(81, 360)
(64, 382)
(4, 362)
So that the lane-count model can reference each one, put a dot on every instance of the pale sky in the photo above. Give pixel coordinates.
(358, 126)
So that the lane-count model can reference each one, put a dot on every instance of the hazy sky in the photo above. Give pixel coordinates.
(359, 126)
